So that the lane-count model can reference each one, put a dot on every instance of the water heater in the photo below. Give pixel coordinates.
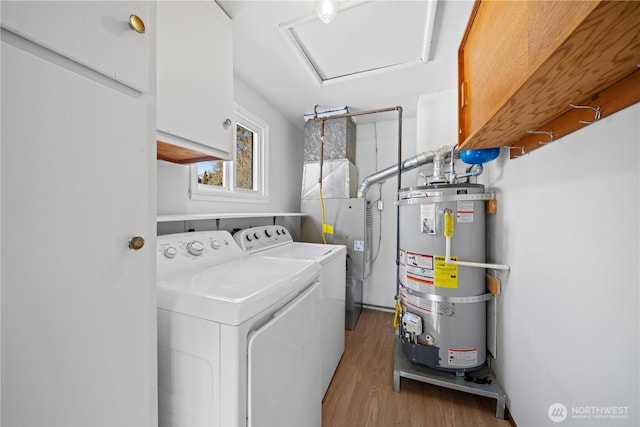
(443, 304)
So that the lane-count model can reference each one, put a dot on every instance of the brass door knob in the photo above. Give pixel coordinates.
(136, 24)
(136, 243)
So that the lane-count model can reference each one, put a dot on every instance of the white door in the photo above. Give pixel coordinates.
(78, 306)
(284, 366)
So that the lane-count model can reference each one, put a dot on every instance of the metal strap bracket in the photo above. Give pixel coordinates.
(455, 300)
(416, 198)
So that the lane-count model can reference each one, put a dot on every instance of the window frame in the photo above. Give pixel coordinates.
(228, 191)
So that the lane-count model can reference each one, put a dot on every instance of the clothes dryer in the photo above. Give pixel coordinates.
(276, 241)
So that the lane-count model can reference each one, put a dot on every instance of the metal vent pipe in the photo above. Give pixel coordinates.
(408, 164)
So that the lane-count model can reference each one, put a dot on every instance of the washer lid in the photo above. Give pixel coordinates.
(310, 251)
(235, 291)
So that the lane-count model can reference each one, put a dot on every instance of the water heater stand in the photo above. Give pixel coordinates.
(403, 368)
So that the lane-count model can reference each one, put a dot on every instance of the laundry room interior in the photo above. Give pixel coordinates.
(322, 213)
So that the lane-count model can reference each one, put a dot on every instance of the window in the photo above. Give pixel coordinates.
(243, 178)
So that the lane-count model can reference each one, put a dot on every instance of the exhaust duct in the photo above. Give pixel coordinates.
(438, 156)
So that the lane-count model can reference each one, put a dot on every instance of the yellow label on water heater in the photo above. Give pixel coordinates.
(445, 275)
(448, 223)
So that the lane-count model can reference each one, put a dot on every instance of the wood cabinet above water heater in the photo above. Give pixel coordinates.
(551, 67)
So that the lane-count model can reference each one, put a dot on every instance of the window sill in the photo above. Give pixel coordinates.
(228, 196)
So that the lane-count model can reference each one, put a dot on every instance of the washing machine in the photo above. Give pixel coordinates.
(237, 335)
(276, 241)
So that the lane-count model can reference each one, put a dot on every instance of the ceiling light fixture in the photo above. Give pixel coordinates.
(327, 10)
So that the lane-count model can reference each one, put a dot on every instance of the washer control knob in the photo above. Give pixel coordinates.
(216, 244)
(256, 235)
(268, 233)
(284, 231)
(195, 248)
(248, 237)
(170, 252)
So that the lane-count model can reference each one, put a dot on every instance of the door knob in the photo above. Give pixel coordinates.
(136, 243)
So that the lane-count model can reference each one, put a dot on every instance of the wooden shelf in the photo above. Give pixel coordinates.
(521, 65)
(197, 217)
(181, 155)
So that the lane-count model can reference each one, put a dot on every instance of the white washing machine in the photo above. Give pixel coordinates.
(237, 335)
(276, 241)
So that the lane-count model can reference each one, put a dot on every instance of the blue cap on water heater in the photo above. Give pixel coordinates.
(477, 157)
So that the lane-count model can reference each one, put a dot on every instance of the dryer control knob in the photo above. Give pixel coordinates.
(170, 252)
(216, 244)
(195, 248)
(267, 233)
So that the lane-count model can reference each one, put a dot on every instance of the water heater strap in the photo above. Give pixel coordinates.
(454, 300)
(425, 198)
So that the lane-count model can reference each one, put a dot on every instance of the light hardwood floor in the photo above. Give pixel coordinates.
(361, 392)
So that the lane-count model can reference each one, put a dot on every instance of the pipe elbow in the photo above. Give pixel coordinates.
(364, 186)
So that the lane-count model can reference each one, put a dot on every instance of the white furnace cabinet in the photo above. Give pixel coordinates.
(77, 185)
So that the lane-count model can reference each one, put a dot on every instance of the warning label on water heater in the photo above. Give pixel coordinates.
(428, 218)
(420, 260)
(446, 275)
(464, 211)
(463, 357)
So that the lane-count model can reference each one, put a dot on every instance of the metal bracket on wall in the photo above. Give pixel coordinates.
(596, 116)
(616, 97)
(542, 132)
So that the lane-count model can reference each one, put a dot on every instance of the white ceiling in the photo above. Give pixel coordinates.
(346, 48)
(371, 56)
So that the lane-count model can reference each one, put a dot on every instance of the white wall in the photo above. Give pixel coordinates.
(568, 226)
(379, 287)
(285, 157)
(437, 122)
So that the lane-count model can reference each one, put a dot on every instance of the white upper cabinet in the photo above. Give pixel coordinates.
(79, 30)
(195, 77)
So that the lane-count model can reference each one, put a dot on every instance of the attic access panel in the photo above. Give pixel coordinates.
(364, 38)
